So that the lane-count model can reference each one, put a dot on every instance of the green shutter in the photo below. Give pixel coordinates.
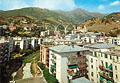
(105, 55)
(91, 73)
(91, 59)
(106, 64)
(95, 53)
(101, 55)
(110, 57)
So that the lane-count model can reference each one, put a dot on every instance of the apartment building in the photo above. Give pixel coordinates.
(4, 51)
(44, 54)
(104, 67)
(114, 40)
(100, 47)
(34, 42)
(68, 62)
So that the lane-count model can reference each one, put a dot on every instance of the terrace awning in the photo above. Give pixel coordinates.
(110, 66)
(108, 81)
(101, 78)
(51, 69)
(72, 66)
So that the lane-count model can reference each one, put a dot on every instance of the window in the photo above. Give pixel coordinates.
(106, 64)
(116, 76)
(110, 57)
(91, 73)
(115, 67)
(117, 57)
(92, 66)
(105, 55)
(97, 68)
(95, 53)
(91, 59)
(101, 55)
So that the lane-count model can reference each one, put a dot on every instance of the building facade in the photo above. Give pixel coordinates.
(104, 67)
(68, 62)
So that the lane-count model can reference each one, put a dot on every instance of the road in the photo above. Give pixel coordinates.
(26, 71)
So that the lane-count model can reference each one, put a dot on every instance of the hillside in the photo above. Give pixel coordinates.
(37, 14)
(79, 15)
(109, 24)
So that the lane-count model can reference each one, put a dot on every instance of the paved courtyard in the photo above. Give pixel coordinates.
(32, 80)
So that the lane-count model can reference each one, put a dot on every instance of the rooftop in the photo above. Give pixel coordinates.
(67, 48)
(113, 52)
(100, 46)
(81, 80)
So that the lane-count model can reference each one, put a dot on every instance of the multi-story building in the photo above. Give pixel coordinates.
(4, 51)
(34, 42)
(100, 47)
(114, 40)
(68, 62)
(104, 67)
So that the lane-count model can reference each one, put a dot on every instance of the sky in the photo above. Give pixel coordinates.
(102, 6)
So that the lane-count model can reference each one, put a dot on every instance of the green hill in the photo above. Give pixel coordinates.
(109, 24)
(37, 14)
(79, 15)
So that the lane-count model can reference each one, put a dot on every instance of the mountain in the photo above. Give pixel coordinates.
(109, 24)
(50, 16)
(79, 15)
(37, 14)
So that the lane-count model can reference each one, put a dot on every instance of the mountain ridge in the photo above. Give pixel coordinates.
(75, 16)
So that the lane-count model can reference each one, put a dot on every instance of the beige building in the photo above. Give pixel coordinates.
(104, 67)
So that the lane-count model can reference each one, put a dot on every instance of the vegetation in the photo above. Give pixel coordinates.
(31, 58)
(41, 65)
(109, 24)
(49, 77)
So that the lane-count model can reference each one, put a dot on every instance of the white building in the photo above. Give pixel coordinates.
(104, 67)
(67, 62)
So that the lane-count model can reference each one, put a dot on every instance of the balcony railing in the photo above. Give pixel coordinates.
(105, 69)
(106, 77)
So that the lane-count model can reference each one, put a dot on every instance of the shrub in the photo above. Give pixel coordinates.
(49, 78)
(41, 65)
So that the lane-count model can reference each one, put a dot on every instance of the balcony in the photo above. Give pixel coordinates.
(54, 56)
(108, 77)
(53, 61)
(109, 69)
(72, 66)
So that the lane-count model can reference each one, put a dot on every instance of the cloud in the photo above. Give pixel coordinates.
(115, 3)
(55, 4)
(101, 7)
(49, 4)
(12, 4)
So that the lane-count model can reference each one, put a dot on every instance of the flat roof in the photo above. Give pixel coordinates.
(67, 48)
(81, 80)
(100, 46)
